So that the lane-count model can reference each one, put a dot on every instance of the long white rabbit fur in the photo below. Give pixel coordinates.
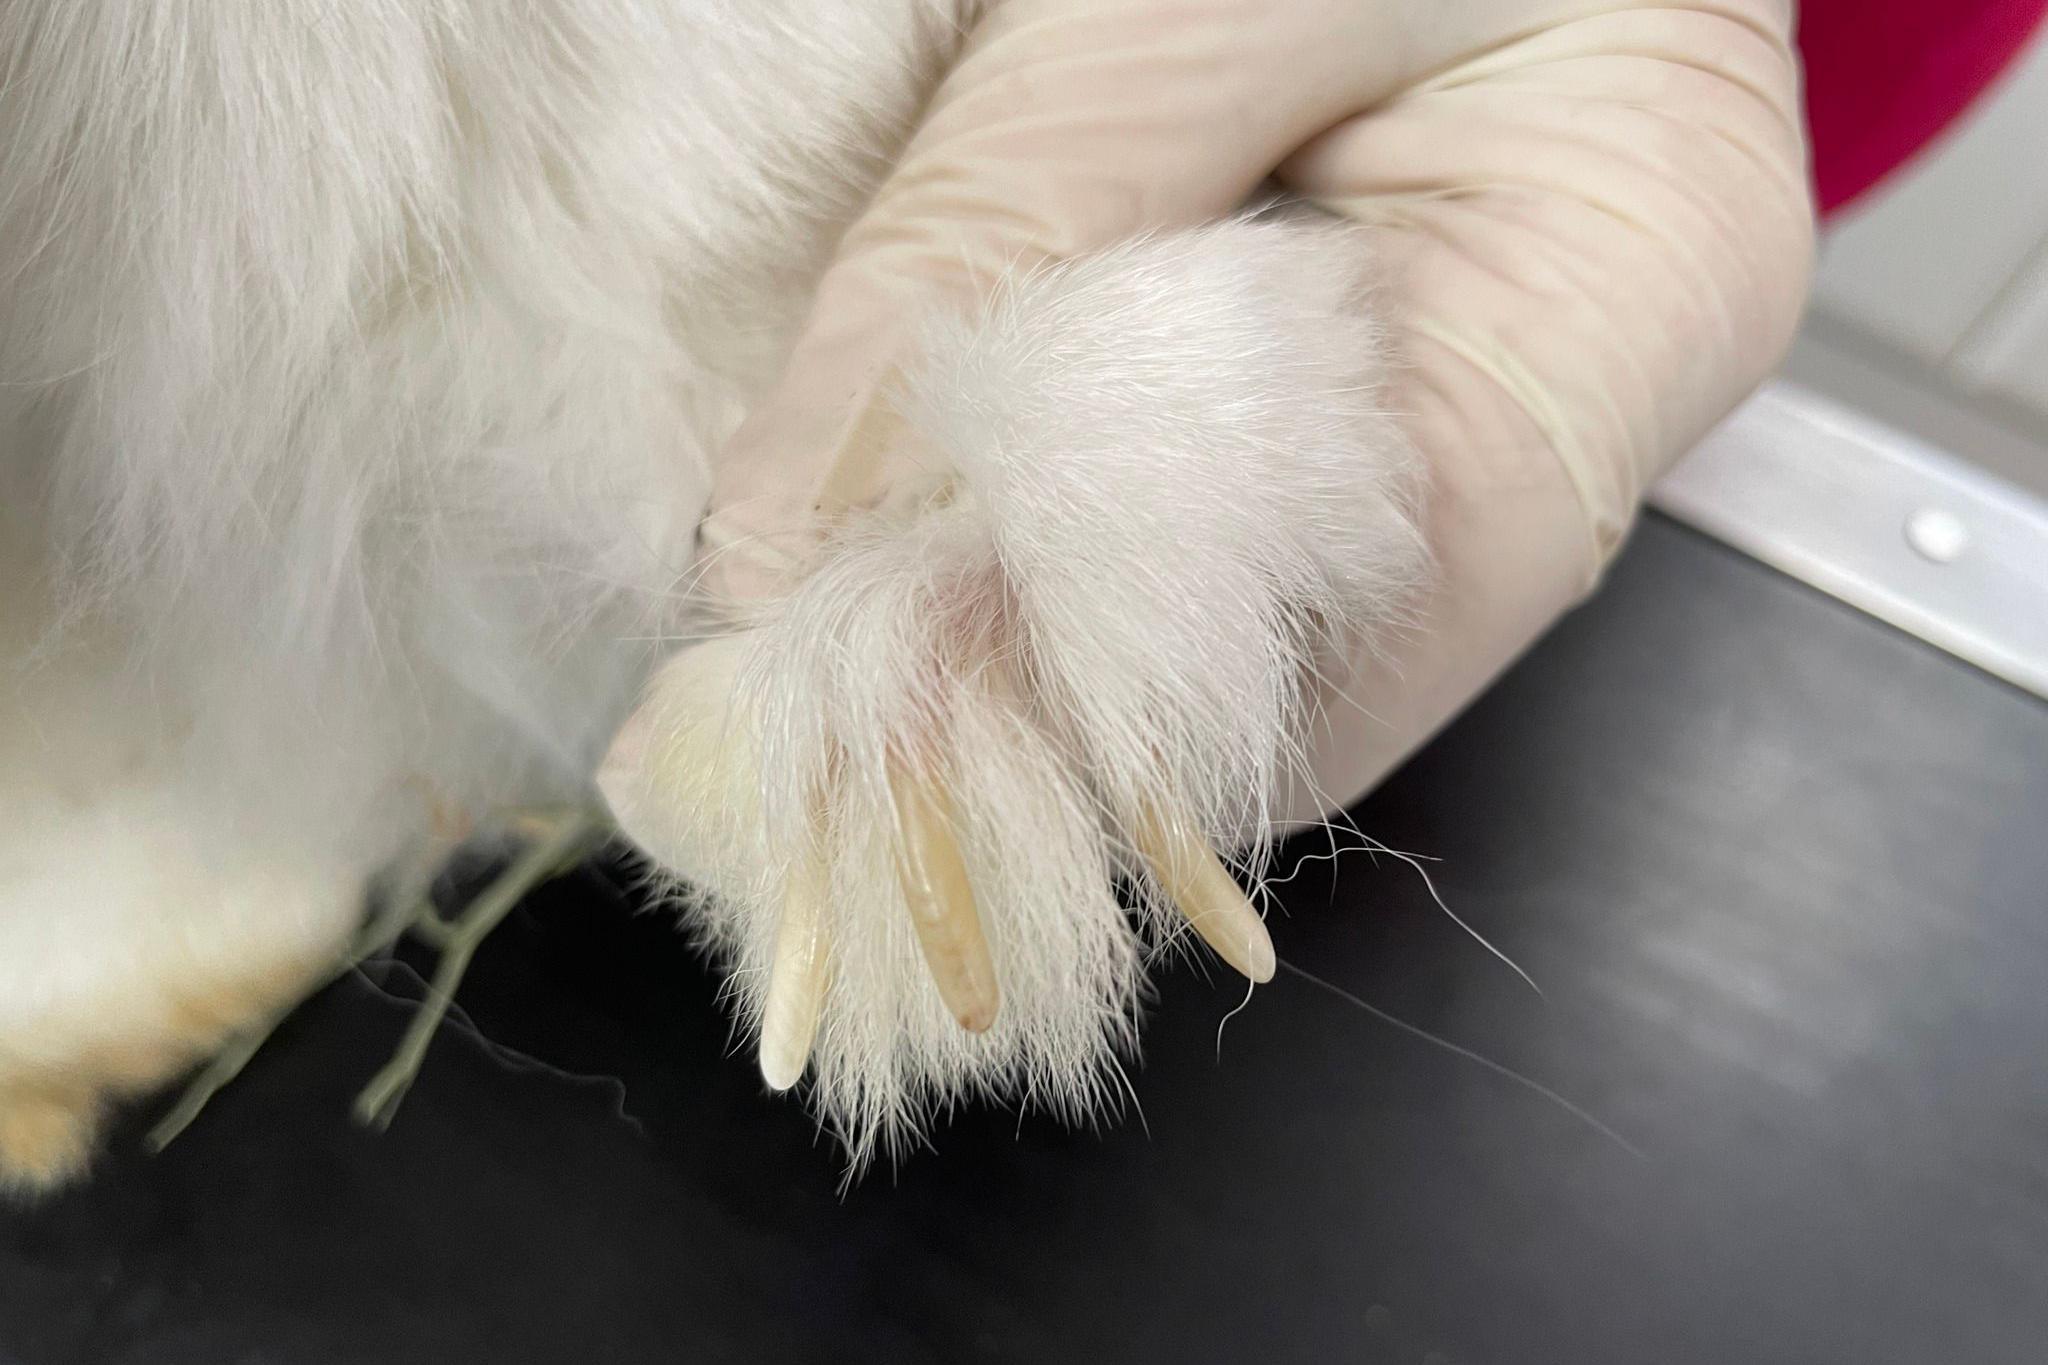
(358, 365)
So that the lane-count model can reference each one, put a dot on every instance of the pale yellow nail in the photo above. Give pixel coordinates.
(941, 901)
(1198, 883)
(797, 977)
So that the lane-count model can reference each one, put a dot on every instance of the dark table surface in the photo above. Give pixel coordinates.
(1781, 873)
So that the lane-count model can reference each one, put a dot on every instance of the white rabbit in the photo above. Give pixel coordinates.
(358, 365)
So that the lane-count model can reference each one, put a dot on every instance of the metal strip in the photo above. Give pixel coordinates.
(1888, 523)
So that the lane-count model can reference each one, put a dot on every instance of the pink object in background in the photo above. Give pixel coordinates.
(1885, 77)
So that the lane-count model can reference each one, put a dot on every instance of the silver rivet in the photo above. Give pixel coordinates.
(1937, 535)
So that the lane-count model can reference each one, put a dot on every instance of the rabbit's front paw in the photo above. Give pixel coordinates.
(906, 793)
(912, 872)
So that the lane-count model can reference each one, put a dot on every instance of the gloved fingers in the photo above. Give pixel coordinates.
(1616, 238)
(1597, 243)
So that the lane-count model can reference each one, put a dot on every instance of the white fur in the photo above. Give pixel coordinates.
(358, 361)
(1172, 487)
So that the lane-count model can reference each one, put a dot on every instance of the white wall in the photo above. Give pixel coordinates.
(1944, 271)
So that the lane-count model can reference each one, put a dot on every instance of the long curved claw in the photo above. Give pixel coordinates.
(941, 901)
(1203, 889)
(797, 977)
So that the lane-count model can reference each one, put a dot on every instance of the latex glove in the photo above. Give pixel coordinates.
(1596, 218)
